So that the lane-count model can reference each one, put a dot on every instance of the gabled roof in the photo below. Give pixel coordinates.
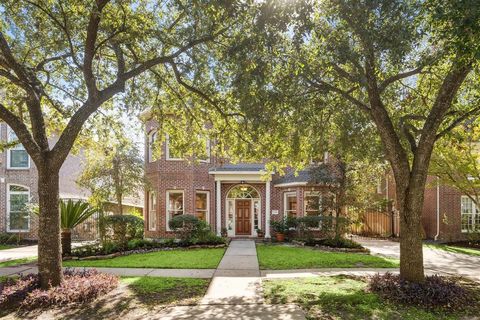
(315, 175)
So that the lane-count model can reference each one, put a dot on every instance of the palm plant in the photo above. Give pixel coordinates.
(72, 214)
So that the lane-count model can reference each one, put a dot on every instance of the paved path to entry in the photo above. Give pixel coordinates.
(235, 291)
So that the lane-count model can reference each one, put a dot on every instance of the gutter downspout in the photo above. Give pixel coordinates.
(438, 210)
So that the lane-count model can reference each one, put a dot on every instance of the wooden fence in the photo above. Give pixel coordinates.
(376, 224)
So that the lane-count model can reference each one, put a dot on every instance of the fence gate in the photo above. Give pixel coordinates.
(376, 224)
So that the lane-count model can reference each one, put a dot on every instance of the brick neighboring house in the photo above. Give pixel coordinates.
(18, 186)
(226, 195)
(448, 214)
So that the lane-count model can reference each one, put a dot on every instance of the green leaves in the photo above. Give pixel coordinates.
(74, 213)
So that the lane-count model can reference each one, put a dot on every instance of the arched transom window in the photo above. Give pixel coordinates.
(243, 191)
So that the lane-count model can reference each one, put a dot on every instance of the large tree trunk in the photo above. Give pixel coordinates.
(49, 244)
(410, 205)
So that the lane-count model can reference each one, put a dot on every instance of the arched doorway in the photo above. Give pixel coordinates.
(243, 205)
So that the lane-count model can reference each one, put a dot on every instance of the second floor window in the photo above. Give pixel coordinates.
(17, 157)
(152, 137)
(173, 150)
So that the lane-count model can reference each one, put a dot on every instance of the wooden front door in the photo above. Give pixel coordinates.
(243, 224)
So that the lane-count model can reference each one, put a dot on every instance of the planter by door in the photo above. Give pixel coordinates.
(280, 237)
(243, 224)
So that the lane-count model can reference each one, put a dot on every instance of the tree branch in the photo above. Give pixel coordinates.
(473, 112)
(399, 76)
(20, 130)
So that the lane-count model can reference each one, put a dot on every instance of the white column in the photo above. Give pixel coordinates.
(218, 199)
(267, 209)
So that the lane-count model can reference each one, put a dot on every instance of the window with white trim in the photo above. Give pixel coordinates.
(204, 154)
(175, 204)
(470, 215)
(312, 203)
(290, 204)
(202, 204)
(152, 211)
(152, 138)
(18, 216)
(17, 156)
(173, 152)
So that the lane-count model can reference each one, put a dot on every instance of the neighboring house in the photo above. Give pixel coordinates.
(231, 196)
(18, 187)
(448, 215)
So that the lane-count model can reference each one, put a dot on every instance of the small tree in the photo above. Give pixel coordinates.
(72, 214)
(113, 171)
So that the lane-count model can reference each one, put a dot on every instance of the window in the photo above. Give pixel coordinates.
(202, 202)
(18, 216)
(470, 215)
(175, 205)
(290, 204)
(17, 156)
(204, 154)
(152, 211)
(313, 203)
(173, 151)
(152, 137)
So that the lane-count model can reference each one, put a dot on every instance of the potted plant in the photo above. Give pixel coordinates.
(280, 228)
(224, 232)
(260, 233)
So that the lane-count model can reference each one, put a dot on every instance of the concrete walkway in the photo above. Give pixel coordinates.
(235, 291)
(435, 260)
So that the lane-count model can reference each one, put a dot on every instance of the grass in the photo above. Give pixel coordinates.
(16, 262)
(454, 249)
(342, 297)
(6, 246)
(167, 291)
(284, 257)
(173, 259)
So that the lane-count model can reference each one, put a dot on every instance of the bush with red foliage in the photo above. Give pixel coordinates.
(436, 292)
(77, 287)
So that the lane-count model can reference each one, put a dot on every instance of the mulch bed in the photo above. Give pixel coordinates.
(129, 252)
(465, 244)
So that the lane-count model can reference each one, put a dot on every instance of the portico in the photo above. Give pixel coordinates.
(243, 199)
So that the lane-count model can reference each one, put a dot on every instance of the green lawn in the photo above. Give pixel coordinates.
(16, 262)
(454, 249)
(6, 246)
(284, 257)
(343, 297)
(173, 259)
(156, 290)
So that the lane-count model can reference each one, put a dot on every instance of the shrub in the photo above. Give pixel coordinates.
(340, 243)
(77, 287)
(123, 228)
(8, 238)
(186, 227)
(436, 292)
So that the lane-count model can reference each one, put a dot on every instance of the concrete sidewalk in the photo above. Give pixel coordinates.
(29, 251)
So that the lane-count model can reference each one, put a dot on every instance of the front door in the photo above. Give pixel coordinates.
(242, 218)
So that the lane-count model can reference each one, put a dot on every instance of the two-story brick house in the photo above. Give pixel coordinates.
(18, 188)
(235, 197)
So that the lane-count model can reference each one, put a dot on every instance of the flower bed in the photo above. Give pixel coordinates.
(77, 287)
(436, 292)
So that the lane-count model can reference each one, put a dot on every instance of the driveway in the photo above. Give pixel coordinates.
(26, 252)
(435, 260)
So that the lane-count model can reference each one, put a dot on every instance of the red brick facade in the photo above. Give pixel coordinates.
(189, 177)
(442, 219)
